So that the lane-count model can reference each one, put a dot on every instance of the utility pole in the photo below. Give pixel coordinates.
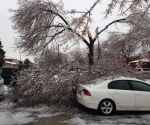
(20, 56)
(99, 50)
(58, 54)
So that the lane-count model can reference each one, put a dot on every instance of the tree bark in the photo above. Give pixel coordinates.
(91, 53)
(128, 60)
(91, 48)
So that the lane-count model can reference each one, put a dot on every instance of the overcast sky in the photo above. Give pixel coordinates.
(7, 34)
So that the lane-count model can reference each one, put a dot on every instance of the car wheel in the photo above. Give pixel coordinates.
(106, 107)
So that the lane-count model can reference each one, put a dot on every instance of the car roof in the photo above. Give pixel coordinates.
(110, 79)
(123, 78)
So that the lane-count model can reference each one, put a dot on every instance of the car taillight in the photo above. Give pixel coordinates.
(86, 92)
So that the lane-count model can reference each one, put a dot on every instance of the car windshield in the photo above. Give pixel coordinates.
(98, 81)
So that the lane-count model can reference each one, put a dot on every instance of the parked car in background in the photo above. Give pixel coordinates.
(8, 73)
(142, 70)
(110, 94)
(2, 89)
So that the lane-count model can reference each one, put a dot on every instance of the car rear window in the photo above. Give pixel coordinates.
(0, 73)
(99, 81)
(119, 84)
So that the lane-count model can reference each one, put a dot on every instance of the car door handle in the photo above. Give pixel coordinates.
(138, 93)
(116, 92)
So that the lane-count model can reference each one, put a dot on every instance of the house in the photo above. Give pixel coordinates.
(10, 62)
(141, 62)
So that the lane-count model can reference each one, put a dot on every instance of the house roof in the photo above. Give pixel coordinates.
(143, 60)
(8, 62)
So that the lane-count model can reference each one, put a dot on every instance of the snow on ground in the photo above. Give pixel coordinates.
(76, 120)
(12, 116)
(31, 116)
(9, 116)
(118, 119)
(47, 115)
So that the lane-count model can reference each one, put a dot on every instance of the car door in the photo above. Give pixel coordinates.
(122, 94)
(142, 95)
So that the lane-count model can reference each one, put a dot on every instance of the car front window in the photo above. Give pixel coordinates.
(139, 86)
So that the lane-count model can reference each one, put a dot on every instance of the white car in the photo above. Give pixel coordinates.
(108, 95)
(2, 89)
(142, 70)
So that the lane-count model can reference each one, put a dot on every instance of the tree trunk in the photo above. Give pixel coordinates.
(127, 61)
(91, 48)
(91, 54)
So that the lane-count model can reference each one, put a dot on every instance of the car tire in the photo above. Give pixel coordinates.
(107, 107)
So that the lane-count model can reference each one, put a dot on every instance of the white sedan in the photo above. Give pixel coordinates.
(110, 94)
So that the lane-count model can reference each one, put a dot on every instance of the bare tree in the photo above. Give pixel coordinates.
(141, 31)
(40, 23)
(79, 54)
(51, 58)
(136, 39)
(121, 45)
(125, 5)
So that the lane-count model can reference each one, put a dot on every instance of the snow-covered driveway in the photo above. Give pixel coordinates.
(92, 117)
(42, 116)
(17, 116)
